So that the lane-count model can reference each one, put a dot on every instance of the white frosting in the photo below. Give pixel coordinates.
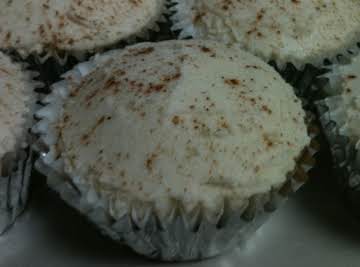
(301, 31)
(14, 96)
(72, 25)
(345, 105)
(195, 121)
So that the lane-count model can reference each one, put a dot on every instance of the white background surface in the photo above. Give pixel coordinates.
(312, 229)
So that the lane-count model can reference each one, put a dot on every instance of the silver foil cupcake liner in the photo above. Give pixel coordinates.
(345, 153)
(16, 166)
(346, 158)
(181, 235)
(14, 186)
(304, 81)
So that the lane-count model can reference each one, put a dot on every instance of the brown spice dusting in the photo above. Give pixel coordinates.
(142, 51)
(84, 139)
(198, 17)
(225, 125)
(150, 161)
(266, 109)
(208, 50)
(268, 141)
(170, 78)
(232, 82)
(155, 88)
(176, 120)
(252, 66)
(66, 118)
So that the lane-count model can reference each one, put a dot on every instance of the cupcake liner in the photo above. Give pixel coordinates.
(14, 187)
(180, 235)
(345, 152)
(16, 166)
(304, 81)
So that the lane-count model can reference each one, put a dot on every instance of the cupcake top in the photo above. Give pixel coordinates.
(346, 79)
(37, 25)
(195, 121)
(15, 93)
(299, 32)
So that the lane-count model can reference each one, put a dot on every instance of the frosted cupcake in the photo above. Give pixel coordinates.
(179, 149)
(47, 28)
(296, 37)
(17, 98)
(340, 116)
(297, 32)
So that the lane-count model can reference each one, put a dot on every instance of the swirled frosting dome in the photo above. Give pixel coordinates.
(15, 93)
(301, 31)
(196, 121)
(73, 25)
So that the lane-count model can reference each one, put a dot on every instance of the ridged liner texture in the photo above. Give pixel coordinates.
(16, 166)
(182, 236)
(346, 157)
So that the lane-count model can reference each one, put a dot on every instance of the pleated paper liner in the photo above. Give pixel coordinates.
(308, 80)
(16, 166)
(14, 186)
(346, 156)
(181, 235)
(345, 160)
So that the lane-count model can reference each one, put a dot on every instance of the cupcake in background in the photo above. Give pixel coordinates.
(340, 117)
(17, 101)
(61, 28)
(179, 149)
(297, 32)
(295, 36)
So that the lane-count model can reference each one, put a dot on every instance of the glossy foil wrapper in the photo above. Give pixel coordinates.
(181, 236)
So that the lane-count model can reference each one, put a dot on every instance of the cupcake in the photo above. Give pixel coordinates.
(48, 28)
(340, 117)
(178, 149)
(294, 36)
(298, 32)
(17, 98)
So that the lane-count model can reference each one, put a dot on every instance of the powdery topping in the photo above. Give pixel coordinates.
(75, 25)
(301, 31)
(195, 121)
(13, 103)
